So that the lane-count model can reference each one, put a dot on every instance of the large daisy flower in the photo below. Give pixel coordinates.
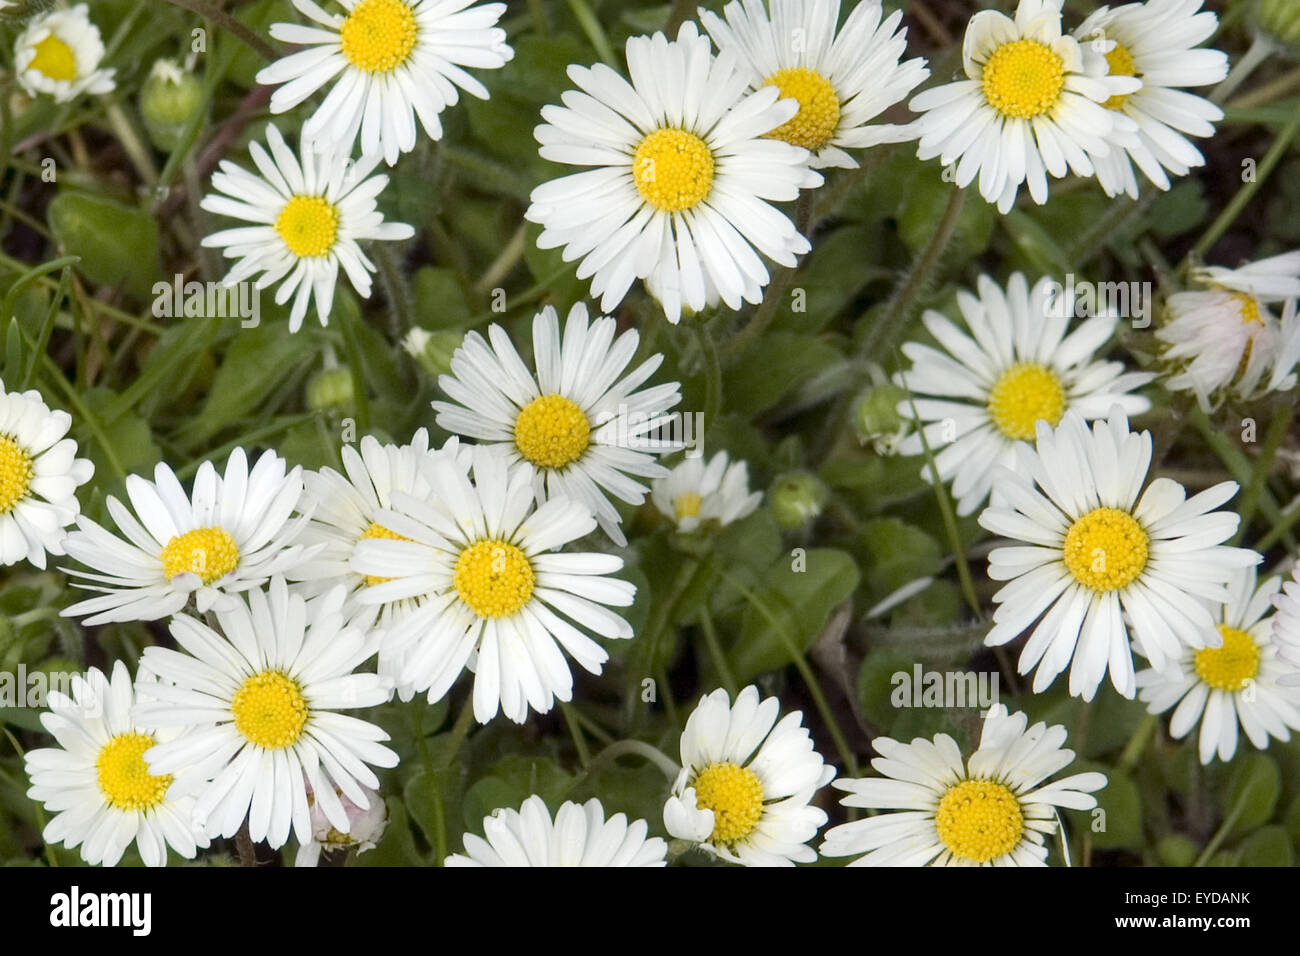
(697, 492)
(992, 809)
(59, 53)
(681, 176)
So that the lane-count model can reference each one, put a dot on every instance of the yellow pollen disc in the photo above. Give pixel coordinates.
(673, 170)
(735, 796)
(1249, 308)
(1121, 64)
(270, 710)
(552, 431)
(379, 35)
(55, 59)
(494, 578)
(1230, 666)
(308, 225)
(1023, 395)
(819, 107)
(1023, 79)
(1106, 549)
(979, 820)
(211, 553)
(124, 777)
(687, 505)
(379, 531)
(15, 473)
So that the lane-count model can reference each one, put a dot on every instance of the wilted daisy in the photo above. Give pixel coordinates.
(1031, 105)
(366, 827)
(233, 534)
(103, 795)
(476, 557)
(580, 836)
(680, 179)
(391, 62)
(257, 700)
(581, 427)
(309, 217)
(695, 492)
(1235, 683)
(1097, 544)
(992, 809)
(1013, 366)
(841, 81)
(746, 782)
(59, 53)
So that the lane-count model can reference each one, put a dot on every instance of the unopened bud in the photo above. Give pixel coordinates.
(878, 420)
(169, 101)
(330, 388)
(1280, 19)
(433, 350)
(797, 497)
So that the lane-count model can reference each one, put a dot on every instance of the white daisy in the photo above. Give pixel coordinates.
(366, 827)
(59, 53)
(103, 795)
(232, 535)
(1236, 682)
(258, 701)
(1096, 543)
(746, 782)
(580, 836)
(476, 557)
(696, 492)
(391, 61)
(1030, 105)
(1270, 280)
(990, 810)
(841, 81)
(309, 217)
(1286, 626)
(1287, 354)
(580, 427)
(681, 172)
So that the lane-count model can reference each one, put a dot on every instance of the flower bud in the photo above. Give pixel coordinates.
(1280, 19)
(878, 420)
(365, 826)
(433, 350)
(169, 100)
(330, 388)
(797, 497)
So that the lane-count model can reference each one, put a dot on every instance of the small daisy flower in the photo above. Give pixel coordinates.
(580, 836)
(746, 782)
(1100, 554)
(581, 428)
(103, 794)
(59, 53)
(308, 217)
(695, 492)
(391, 62)
(993, 809)
(1235, 683)
(1286, 626)
(366, 827)
(680, 179)
(841, 81)
(257, 703)
(475, 555)
(232, 535)
(1012, 366)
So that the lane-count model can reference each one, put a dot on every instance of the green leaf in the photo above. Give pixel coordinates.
(766, 370)
(1270, 846)
(511, 781)
(118, 244)
(258, 360)
(1255, 786)
(876, 685)
(439, 299)
(1122, 803)
(897, 553)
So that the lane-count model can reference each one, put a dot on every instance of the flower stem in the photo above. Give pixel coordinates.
(715, 652)
(1277, 430)
(224, 20)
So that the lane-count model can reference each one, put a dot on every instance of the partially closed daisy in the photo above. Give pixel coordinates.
(308, 216)
(992, 809)
(680, 181)
(1015, 364)
(1101, 554)
(59, 53)
(695, 492)
(580, 836)
(103, 795)
(747, 781)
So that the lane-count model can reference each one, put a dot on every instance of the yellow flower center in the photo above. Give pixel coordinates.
(379, 35)
(735, 796)
(270, 710)
(1106, 549)
(1230, 666)
(687, 505)
(1023, 79)
(1023, 395)
(124, 777)
(819, 107)
(211, 553)
(15, 473)
(552, 431)
(379, 531)
(55, 59)
(1121, 64)
(308, 225)
(979, 820)
(494, 578)
(1249, 305)
(673, 170)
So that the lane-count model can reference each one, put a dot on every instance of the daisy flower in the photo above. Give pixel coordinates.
(581, 428)
(257, 703)
(308, 219)
(1101, 554)
(696, 492)
(1270, 280)
(233, 534)
(59, 53)
(1030, 105)
(580, 836)
(990, 810)
(1235, 683)
(391, 62)
(681, 172)
(841, 81)
(746, 782)
(476, 557)
(1010, 367)
(103, 795)
(366, 827)
(1286, 626)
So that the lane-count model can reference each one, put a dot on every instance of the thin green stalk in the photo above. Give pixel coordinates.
(682, 10)
(666, 692)
(1225, 828)
(1280, 528)
(575, 731)
(712, 372)
(47, 327)
(40, 812)
(660, 619)
(353, 347)
(715, 652)
(638, 748)
(1277, 430)
(1138, 742)
(595, 32)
